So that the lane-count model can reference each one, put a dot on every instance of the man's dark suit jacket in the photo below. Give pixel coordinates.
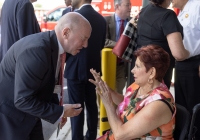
(27, 80)
(17, 21)
(67, 10)
(78, 67)
(79, 88)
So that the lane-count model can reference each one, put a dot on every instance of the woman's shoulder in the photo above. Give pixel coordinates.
(167, 12)
(159, 93)
(152, 7)
(162, 89)
(170, 12)
(158, 12)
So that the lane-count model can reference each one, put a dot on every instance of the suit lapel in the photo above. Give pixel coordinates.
(112, 26)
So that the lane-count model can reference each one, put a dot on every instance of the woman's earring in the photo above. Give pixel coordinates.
(150, 81)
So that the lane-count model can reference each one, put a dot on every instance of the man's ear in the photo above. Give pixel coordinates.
(116, 6)
(65, 32)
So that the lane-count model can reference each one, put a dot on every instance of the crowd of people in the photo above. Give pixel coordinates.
(30, 69)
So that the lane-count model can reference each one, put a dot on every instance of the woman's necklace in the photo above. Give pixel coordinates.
(140, 93)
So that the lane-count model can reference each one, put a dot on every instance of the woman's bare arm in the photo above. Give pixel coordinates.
(176, 46)
(149, 118)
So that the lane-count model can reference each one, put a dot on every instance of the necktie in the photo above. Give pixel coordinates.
(121, 29)
(61, 79)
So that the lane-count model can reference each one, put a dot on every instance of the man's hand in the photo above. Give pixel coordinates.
(71, 110)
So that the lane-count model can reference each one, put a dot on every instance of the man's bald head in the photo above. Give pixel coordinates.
(73, 27)
(73, 20)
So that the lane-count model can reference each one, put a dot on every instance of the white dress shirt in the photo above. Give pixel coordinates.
(60, 51)
(189, 18)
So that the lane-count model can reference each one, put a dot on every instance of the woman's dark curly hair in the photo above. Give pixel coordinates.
(157, 2)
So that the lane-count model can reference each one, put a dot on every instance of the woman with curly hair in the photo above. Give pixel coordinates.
(147, 110)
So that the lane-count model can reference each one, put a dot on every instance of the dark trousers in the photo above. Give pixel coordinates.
(187, 86)
(168, 76)
(37, 132)
(83, 92)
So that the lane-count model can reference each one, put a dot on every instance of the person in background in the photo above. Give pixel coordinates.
(0, 27)
(121, 16)
(28, 75)
(160, 26)
(17, 21)
(147, 110)
(187, 72)
(69, 8)
(68, 2)
(80, 90)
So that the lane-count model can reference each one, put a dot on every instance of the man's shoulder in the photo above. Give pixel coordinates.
(195, 5)
(16, 5)
(33, 41)
(25, 3)
(109, 18)
(68, 9)
(195, 2)
(89, 13)
(39, 39)
(88, 9)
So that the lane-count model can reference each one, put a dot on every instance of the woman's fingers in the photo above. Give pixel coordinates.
(103, 87)
(93, 82)
(106, 86)
(98, 91)
(95, 75)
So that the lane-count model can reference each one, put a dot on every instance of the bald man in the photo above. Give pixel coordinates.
(28, 75)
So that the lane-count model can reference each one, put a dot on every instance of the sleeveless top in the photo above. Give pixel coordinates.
(132, 105)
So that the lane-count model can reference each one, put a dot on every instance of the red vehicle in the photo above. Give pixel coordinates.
(104, 7)
(50, 19)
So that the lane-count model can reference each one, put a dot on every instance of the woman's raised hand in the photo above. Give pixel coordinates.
(101, 87)
(97, 78)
